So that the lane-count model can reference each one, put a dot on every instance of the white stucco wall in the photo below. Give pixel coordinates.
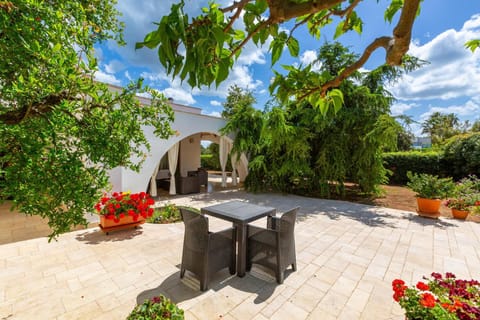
(186, 124)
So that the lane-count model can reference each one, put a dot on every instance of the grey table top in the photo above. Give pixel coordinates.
(238, 211)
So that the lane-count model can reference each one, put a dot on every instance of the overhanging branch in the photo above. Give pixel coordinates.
(382, 42)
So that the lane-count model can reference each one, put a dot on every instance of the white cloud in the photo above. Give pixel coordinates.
(114, 66)
(453, 72)
(471, 109)
(179, 95)
(215, 103)
(308, 57)
(400, 108)
(107, 78)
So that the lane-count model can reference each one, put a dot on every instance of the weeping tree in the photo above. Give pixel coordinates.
(302, 148)
(60, 130)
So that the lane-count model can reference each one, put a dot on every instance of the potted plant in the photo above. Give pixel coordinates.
(124, 209)
(430, 190)
(157, 308)
(465, 197)
(439, 297)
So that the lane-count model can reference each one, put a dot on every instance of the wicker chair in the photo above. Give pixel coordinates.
(273, 247)
(204, 252)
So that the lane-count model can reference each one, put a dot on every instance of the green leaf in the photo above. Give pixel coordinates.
(393, 8)
(293, 47)
(472, 44)
(218, 34)
(336, 97)
(181, 21)
(222, 71)
(322, 106)
(277, 48)
(339, 30)
(151, 40)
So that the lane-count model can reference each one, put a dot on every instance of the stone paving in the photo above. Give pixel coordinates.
(347, 256)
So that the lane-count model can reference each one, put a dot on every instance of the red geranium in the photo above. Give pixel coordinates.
(120, 204)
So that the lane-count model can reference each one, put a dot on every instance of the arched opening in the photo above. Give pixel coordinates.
(188, 174)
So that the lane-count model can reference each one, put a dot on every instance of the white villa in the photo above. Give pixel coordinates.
(178, 156)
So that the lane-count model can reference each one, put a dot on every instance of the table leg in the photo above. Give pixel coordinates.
(242, 249)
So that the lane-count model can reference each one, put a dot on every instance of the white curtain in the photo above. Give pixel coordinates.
(233, 159)
(153, 182)
(172, 165)
(223, 152)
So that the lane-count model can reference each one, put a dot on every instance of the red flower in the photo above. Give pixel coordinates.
(397, 282)
(427, 300)
(397, 296)
(422, 286)
(120, 205)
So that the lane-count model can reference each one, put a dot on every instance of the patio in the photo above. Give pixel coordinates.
(347, 256)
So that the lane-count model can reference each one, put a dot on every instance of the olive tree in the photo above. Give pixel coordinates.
(60, 130)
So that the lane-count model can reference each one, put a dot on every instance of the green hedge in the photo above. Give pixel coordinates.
(462, 155)
(212, 162)
(399, 163)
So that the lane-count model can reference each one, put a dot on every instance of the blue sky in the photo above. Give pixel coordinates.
(450, 83)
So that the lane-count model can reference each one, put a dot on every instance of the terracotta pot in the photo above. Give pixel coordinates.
(459, 214)
(429, 207)
(127, 221)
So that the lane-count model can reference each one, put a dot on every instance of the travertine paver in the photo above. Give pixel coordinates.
(347, 256)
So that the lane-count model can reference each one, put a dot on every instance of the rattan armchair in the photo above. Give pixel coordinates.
(273, 247)
(204, 252)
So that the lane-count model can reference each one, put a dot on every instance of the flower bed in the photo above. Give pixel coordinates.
(439, 297)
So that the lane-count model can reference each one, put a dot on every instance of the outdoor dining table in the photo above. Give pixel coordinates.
(240, 213)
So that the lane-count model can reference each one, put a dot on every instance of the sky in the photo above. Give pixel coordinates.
(450, 83)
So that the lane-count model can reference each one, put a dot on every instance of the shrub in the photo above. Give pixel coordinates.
(168, 214)
(462, 155)
(430, 186)
(157, 308)
(399, 163)
(466, 194)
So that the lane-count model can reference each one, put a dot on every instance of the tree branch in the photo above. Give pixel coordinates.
(235, 5)
(282, 10)
(402, 34)
(382, 42)
(299, 24)
(234, 17)
(36, 108)
(260, 26)
(347, 11)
